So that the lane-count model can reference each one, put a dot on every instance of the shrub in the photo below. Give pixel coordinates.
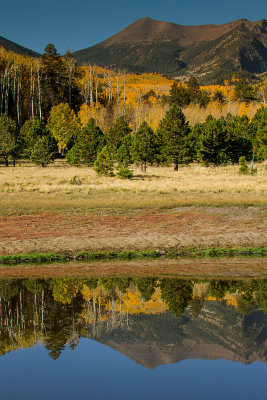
(76, 180)
(125, 173)
(243, 169)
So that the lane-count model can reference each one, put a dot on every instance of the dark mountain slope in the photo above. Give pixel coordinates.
(16, 48)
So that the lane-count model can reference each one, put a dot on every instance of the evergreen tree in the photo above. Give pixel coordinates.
(175, 131)
(219, 96)
(260, 141)
(179, 95)
(10, 145)
(30, 132)
(243, 91)
(104, 164)
(124, 159)
(193, 88)
(143, 145)
(73, 156)
(117, 133)
(212, 142)
(123, 155)
(238, 138)
(91, 140)
(54, 79)
(42, 154)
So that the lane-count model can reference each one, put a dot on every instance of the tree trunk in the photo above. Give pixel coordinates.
(6, 160)
(175, 166)
(145, 167)
(253, 156)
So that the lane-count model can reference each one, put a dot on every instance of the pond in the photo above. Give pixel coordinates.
(133, 338)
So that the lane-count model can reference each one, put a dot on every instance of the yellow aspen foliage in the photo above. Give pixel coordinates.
(62, 124)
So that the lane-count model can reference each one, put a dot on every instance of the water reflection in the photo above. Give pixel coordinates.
(152, 321)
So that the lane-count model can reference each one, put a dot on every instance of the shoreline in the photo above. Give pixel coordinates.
(89, 256)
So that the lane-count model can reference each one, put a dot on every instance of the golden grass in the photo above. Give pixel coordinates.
(28, 188)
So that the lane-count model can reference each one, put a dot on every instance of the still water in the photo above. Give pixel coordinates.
(144, 338)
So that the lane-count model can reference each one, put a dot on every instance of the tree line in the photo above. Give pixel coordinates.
(214, 142)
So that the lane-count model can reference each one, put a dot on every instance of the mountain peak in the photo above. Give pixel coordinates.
(148, 45)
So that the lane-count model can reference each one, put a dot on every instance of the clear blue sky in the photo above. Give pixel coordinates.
(82, 23)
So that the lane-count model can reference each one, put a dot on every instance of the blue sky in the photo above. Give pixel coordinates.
(82, 23)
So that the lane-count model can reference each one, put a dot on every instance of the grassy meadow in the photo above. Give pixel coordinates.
(30, 189)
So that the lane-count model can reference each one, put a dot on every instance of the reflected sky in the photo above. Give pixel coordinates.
(95, 371)
(133, 339)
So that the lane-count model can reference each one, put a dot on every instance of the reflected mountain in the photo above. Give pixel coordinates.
(218, 332)
(152, 321)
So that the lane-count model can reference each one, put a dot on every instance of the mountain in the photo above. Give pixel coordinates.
(208, 51)
(219, 331)
(16, 48)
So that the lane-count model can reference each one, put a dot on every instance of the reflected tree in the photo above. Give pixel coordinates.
(177, 293)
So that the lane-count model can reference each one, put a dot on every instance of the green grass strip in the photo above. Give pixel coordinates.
(38, 258)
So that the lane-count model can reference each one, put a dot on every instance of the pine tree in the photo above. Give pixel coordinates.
(261, 134)
(175, 131)
(179, 95)
(117, 133)
(238, 138)
(42, 153)
(30, 132)
(91, 140)
(10, 145)
(243, 91)
(212, 142)
(143, 145)
(54, 79)
(193, 88)
(104, 164)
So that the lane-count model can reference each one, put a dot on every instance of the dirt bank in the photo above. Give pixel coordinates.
(184, 227)
(219, 268)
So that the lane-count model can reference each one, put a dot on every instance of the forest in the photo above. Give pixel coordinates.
(50, 108)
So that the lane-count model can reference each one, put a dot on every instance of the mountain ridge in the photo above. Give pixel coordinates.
(210, 52)
(176, 50)
(16, 48)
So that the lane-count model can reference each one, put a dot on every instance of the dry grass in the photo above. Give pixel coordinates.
(26, 189)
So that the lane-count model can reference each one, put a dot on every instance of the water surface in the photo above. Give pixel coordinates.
(118, 338)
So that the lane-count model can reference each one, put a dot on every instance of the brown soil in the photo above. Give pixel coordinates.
(203, 268)
(184, 227)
